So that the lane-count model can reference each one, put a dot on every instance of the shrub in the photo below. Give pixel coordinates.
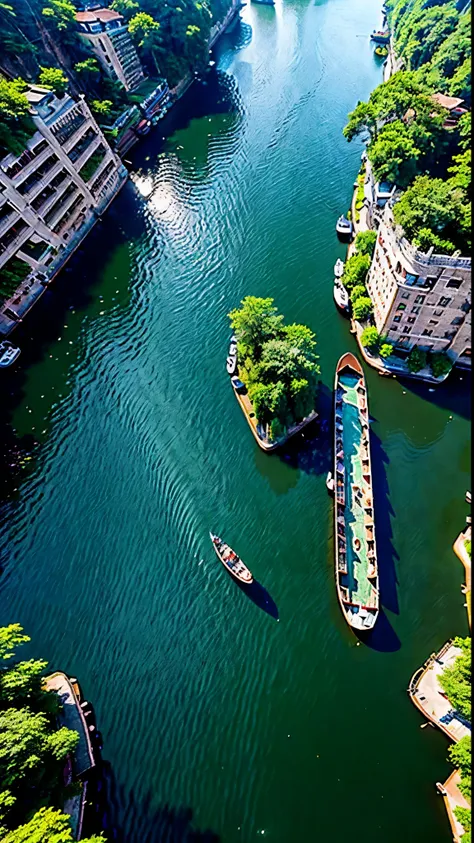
(362, 308)
(416, 360)
(467, 545)
(365, 242)
(456, 680)
(370, 338)
(55, 79)
(385, 350)
(355, 271)
(440, 364)
(358, 291)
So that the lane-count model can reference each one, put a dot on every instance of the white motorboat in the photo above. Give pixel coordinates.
(233, 349)
(344, 226)
(338, 268)
(341, 296)
(231, 365)
(8, 353)
(330, 483)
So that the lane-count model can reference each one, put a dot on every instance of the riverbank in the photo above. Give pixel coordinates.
(460, 550)
(265, 443)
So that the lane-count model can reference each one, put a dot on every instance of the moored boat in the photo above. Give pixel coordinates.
(231, 365)
(8, 353)
(356, 568)
(338, 268)
(344, 226)
(341, 296)
(231, 561)
(330, 483)
(380, 36)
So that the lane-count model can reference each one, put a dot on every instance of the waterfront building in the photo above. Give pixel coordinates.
(50, 197)
(420, 299)
(110, 41)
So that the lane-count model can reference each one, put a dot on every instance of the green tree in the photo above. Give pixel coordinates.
(394, 155)
(416, 359)
(456, 680)
(362, 308)
(463, 815)
(426, 239)
(385, 350)
(365, 242)
(355, 271)
(440, 364)
(127, 8)
(27, 747)
(370, 338)
(55, 79)
(102, 107)
(460, 755)
(144, 29)
(47, 826)
(88, 66)
(60, 13)
(362, 119)
(357, 292)
(255, 322)
(11, 637)
(16, 126)
(433, 204)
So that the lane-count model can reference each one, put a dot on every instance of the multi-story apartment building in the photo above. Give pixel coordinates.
(50, 197)
(420, 299)
(108, 36)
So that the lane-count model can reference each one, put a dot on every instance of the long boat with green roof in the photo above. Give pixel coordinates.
(357, 579)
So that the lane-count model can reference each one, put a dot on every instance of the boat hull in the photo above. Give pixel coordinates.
(244, 576)
(341, 303)
(355, 553)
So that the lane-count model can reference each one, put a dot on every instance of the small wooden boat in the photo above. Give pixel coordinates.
(231, 365)
(338, 268)
(344, 226)
(380, 37)
(341, 297)
(231, 561)
(8, 353)
(356, 568)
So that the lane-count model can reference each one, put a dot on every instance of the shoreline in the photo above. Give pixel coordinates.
(462, 554)
(266, 445)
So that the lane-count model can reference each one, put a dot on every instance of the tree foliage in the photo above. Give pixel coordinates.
(417, 359)
(370, 338)
(440, 364)
(46, 826)
(460, 756)
(456, 680)
(385, 350)
(355, 270)
(278, 363)
(436, 206)
(362, 308)
(365, 242)
(55, 79)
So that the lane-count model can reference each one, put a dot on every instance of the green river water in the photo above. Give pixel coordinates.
(220, 723)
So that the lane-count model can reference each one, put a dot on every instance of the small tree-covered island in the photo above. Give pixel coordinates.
(279, 368)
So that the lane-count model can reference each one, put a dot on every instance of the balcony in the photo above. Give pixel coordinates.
(60, 206)
(8, 215)
(80, 148)
(67, 219)
(38, 175)
(17, 165)
(66, 129)
(11, 241)
(41, 202)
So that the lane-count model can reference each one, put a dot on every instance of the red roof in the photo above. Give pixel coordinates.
(447, 102)
(103, 15)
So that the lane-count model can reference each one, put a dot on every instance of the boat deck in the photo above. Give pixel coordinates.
(360, 588)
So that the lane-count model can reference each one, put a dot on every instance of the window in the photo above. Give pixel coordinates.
(411, 319)
(437, 313)
(420, 299)
(405, 295)
(397, 318)
(406, 329)
(398, 267)
(457, 320)
(427, 332)
(394, 328)
(411, 279)
(401, 307)
(443, 302)
(415, 309)
(455, 283)
(431, 281)
(433, 322)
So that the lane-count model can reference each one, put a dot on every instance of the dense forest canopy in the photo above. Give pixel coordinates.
(410, 142)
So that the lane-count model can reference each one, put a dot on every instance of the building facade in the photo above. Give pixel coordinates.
(420, 299)
(109, 38)
(50, 197)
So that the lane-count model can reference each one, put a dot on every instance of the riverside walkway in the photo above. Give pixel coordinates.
(426, 693)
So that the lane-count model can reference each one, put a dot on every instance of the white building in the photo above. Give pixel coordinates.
(50, 197)
(420, 299)
(109, 38)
